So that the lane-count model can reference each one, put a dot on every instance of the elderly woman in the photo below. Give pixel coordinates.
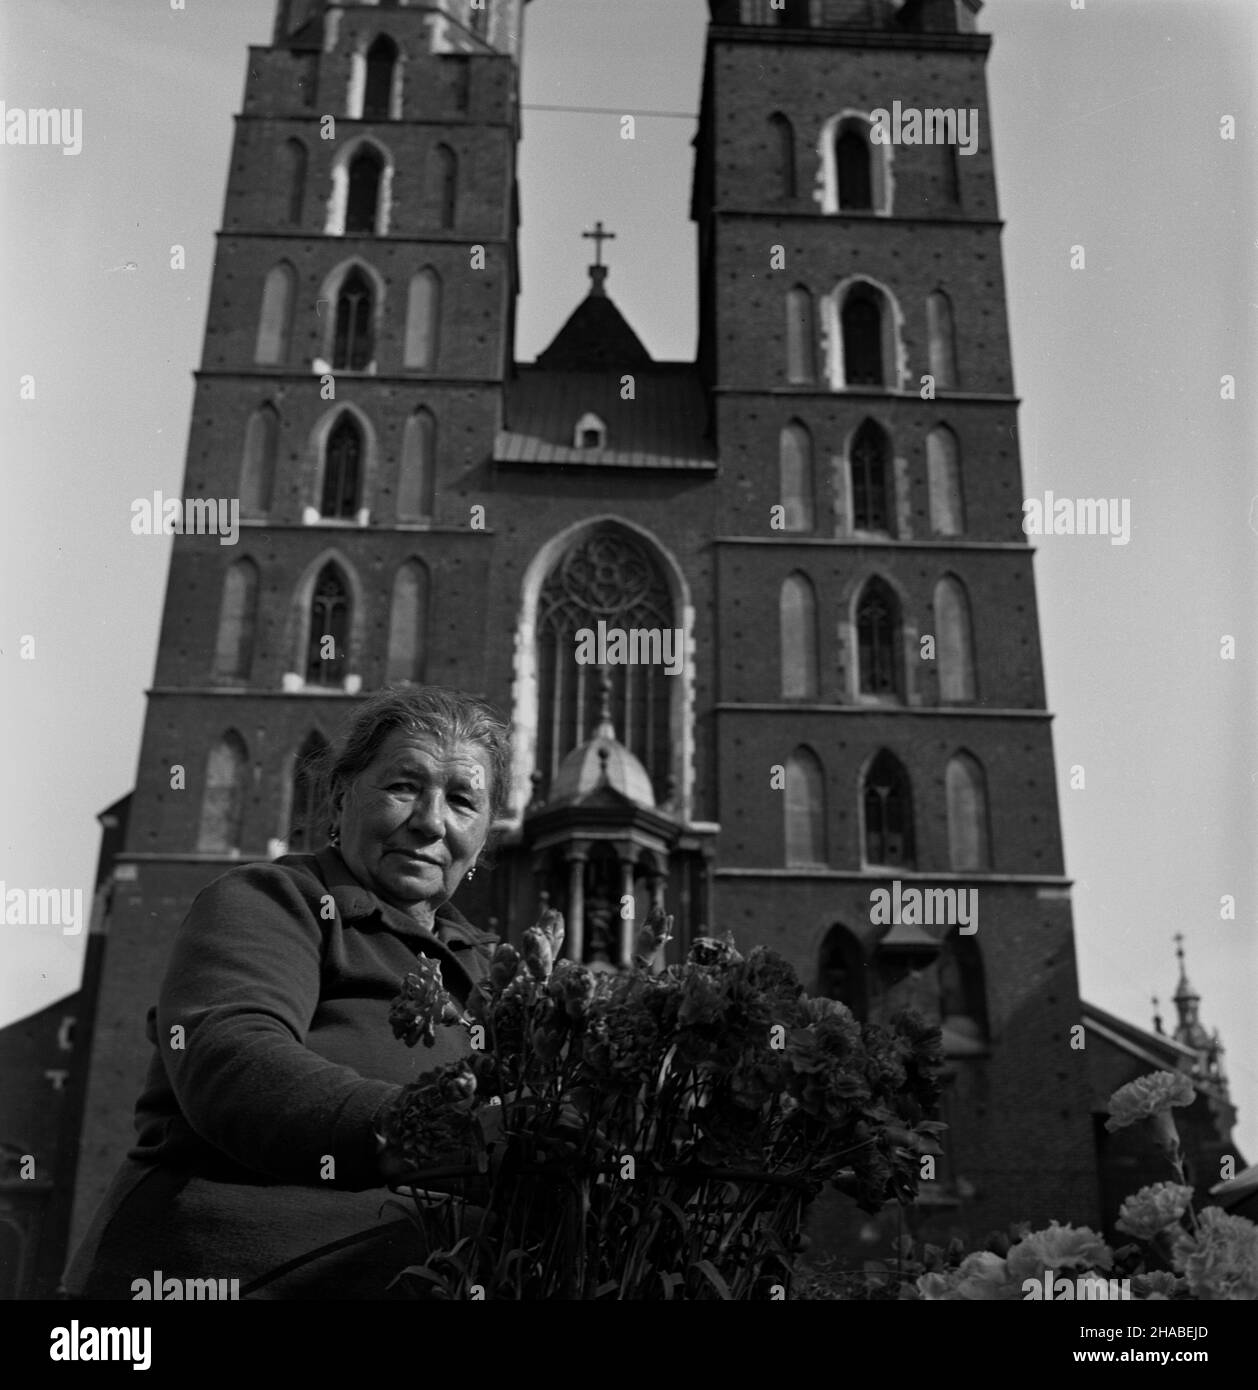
(274, 1060)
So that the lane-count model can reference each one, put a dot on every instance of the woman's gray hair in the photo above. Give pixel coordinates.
(437, 711)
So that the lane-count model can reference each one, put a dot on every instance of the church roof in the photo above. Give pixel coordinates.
(664, 426)
(596, 337)
(600, 765)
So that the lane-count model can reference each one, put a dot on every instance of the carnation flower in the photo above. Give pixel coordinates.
(573, 986)
(1158, 1285)
(1058, 1247)
(981, 1276)
(422, 1005)
(1153, 1209)
(539, 954)
(1220, 1258)
(656, 930)
(1147, 1097)
(707, 950)
(503, 966)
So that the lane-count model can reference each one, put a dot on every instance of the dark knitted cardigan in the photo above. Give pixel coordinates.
(273, 1059)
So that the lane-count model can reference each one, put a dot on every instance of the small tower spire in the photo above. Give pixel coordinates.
(1187, 1005)
(606, 729)
(1157, 1016)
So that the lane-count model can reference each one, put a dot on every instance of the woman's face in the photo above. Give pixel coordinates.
(414, 820)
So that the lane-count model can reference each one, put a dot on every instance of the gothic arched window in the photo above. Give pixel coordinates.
(382, 59)
(292, 181)
(969, 839)
(362, 207)
(342, 470)
(233, 654)
(328, 642)
(962, 996)
(307, 829)
(417, 485)
(782, 155)
(842, 970)
(888, 813)
(276, 319)
(862, 337)
(797, 605)
(408, 624)
(423, 321)
(353, 344)
(943, 477)
(801, 352)
(609, 575)
(795, 477)
(869, 459)
(257, 468)
(853, 160)
(443, 184)
(878, 641)
(942, 338)
(223, 801)
(805, 808)
(955, 642)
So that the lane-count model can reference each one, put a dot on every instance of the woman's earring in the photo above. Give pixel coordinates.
(334, 838)
(471, 873)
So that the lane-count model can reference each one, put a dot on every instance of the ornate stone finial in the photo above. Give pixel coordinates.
(536, 800)
(1157, 1017)
(603, 756)
(606, 729)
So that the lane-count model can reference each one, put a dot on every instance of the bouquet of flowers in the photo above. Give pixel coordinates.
(648, 1135)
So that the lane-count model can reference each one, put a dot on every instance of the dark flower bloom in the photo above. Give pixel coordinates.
(504, 965)
(707, 950)
(422, 1005)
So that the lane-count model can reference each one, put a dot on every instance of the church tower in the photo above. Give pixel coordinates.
(358, 338)
(879, 734)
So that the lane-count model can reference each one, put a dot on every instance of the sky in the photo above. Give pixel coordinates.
(1106, 126)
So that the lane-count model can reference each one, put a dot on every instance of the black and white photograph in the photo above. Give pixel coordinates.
(628, 659)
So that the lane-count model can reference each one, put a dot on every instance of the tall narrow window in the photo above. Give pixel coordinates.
(955, 645)
(408, 624)
(233, 654)
(275, 320)
(342, 470)
(797, 606)
(950, 175)
(307, 830)
(381, 62)
(842, 970)
(782, 155)
(888, 811)
(943, 476)
(423, 318)
(363, 204)
(805, 811)
(852, 158)
(257, 467)
(801, 353)
(943, 345)
(443, 184)
(862, 337)
(869, 464)
(327, 656)
(796, 486)
(462, 82)
(609, 575)
(353, 344)
(293, 162)
(223, 802)
(969, 844)
(417, 484)
(878, 640)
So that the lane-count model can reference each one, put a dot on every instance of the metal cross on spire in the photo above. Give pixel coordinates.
(598, 236)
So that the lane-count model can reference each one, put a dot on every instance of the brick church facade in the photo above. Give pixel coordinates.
(825, 505)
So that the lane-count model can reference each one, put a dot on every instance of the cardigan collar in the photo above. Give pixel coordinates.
(355, 903)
